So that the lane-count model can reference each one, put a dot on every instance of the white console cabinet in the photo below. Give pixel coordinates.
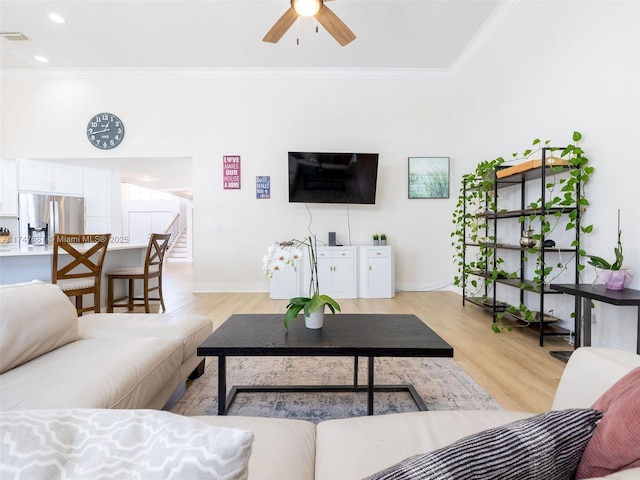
(337, 271)
(377, 272)
(343, 272)
(286, 283)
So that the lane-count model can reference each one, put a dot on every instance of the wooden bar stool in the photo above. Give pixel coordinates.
(83, 274)
(152, 268)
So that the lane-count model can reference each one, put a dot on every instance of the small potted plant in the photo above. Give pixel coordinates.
(376, 239)
(613, 274)
(383, 239)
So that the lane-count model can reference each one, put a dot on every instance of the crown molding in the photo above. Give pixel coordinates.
(501, 12)
(223, 73)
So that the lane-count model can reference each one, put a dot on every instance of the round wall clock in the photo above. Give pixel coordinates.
(105, 130)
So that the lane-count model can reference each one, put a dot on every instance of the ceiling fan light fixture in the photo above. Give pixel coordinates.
(306, 8)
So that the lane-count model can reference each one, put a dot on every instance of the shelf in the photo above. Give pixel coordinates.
(506, 246)
(526, 212)
(486, 304)
(548, 327)
(531, 174)
(546, 318)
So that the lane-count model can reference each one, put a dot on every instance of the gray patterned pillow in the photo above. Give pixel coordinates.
(109, 444)
(546, 446)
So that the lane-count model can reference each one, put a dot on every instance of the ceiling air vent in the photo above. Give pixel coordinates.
(13, 36)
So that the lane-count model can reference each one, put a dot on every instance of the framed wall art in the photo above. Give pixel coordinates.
(428, 177)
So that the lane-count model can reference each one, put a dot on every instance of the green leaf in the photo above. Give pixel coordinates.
(598, 262)
(292, 312)
(577, 136)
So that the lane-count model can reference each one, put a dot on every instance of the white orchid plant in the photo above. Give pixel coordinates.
(281, 254)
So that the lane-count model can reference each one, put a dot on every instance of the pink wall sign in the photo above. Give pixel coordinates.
(231, 172)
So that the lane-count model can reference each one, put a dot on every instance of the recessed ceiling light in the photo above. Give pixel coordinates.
(56, 18)
(42, 59)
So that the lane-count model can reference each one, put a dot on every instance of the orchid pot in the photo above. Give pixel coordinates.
(314, 320)
(614, 279)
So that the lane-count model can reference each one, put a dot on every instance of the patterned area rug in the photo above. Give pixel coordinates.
(440, 382)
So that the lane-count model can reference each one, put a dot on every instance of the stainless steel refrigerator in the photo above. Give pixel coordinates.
(56, 213)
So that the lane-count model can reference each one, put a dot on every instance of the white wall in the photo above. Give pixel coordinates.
(549, 69)
(555, 67)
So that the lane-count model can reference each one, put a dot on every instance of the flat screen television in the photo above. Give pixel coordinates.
(318, 177)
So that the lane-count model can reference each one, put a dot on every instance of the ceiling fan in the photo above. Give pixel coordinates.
(311, 8)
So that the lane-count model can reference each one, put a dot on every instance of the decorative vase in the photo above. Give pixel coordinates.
(383, 242)
(527, 240)
(315, 319)
(376, 243)
(615, 279)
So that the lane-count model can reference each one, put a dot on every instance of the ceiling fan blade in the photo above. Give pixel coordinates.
(336, 27)
(281, 26)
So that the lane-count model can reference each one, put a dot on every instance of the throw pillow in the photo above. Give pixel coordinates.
(546, 446)
(107, 444)
(35, 318)
(616, 442)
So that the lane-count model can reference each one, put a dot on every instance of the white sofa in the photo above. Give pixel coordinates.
(151, 444)
(76, 369)
(50, 358)
(349, 449)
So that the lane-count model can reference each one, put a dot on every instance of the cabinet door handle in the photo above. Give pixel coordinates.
(370, 268)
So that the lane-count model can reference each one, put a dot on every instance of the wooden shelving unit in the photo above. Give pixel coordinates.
(530, 176)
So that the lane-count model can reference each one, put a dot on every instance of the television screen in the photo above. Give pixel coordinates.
(333, 177)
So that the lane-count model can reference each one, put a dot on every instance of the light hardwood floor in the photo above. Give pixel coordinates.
(511, 367)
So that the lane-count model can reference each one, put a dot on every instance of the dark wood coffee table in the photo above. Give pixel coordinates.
(343, 335)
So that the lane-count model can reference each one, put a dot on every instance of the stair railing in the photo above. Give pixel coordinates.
(173, 229)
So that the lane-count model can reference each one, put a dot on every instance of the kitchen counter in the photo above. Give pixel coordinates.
(15, 250)
(23, 263)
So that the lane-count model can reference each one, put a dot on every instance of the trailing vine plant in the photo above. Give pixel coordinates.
(476, 198)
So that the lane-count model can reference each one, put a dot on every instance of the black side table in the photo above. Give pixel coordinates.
(588, 292)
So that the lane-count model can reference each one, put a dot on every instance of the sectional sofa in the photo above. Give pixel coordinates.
(46, 427)
(353, 448)
(50, 358)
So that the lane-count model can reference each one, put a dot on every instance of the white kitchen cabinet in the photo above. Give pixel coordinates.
(8, 188)
(377, 272)
(337, 271)
(97, 225)
(49, 178)
(97, 198)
